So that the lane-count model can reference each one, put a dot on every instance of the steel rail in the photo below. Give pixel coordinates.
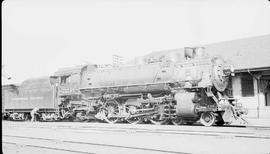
(159, 131)
(181, 132)
(46, 147)
(133, 128)
(95, 144)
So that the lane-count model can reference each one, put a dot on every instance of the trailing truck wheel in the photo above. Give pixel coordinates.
(207, 118)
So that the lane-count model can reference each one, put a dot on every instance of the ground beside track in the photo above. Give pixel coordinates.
(67, 137)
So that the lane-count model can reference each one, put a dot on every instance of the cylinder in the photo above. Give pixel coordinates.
(185, 107)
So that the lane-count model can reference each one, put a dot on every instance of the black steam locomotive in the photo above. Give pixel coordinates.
(183, 91)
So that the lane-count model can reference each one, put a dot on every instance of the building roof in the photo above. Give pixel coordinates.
(249, 53)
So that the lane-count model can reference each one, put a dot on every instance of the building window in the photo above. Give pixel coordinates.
(229, 89)
(267, 99)
(247, 86)
(267, 94)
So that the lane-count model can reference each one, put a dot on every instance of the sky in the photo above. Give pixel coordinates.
(40, 36)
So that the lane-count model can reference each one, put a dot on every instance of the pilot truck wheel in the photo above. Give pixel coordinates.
(207, 118)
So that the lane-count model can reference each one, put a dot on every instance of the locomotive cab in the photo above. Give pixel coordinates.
(194, 52)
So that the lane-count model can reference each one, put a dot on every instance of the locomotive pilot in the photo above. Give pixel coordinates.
(34, 114)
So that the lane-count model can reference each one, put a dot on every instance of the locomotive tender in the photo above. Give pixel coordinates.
(183, 91)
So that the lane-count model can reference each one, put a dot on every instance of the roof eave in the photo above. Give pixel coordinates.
(252, 69)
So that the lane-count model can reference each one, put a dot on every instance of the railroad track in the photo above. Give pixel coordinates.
(241, 133)
(67, 145)
(88, 138)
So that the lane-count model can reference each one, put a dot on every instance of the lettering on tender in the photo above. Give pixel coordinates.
(20, 99)
(36, 98)
(25, 98)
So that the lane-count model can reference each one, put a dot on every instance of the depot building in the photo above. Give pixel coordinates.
(251, 60)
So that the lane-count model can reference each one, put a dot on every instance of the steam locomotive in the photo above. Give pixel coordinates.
(185, 91)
